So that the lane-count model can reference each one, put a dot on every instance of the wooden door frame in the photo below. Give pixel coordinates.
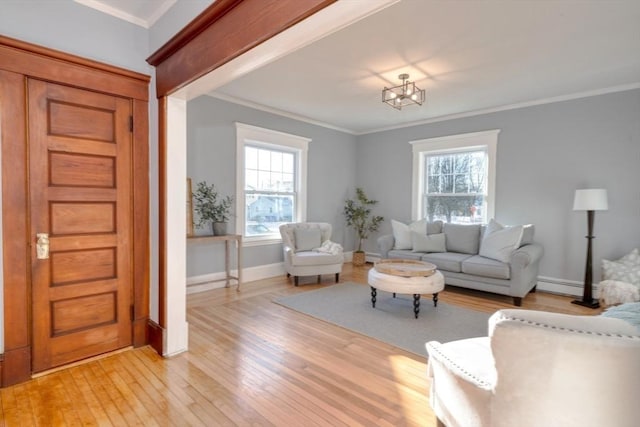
(19, 61)
(224, 31)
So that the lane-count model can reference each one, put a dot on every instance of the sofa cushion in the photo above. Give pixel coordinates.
(448, 261)
(404, 254)
(462, 238)
(315, 258)
(434, 227)
(428, 242)
(528, 230)
(481, 266)
(499, 241)
(307, 238)
(402, 232)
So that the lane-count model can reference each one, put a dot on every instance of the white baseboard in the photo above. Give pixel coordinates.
(564, 287)
(206, 282)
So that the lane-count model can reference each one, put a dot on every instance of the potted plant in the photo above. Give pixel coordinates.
(358, 215)
(212, 207)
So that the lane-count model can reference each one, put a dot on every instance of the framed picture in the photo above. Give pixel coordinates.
(189, 208)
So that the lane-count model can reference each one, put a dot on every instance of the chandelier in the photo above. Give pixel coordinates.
(405, 94)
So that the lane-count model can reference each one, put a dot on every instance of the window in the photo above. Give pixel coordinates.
(454, 177)
(271, 182)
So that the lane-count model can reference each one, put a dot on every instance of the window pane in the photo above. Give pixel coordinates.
(250, 179)
(264, 160)
(250, 158)
(266, 212)
(455, 185)
(276, 161)
(461, 184)
(288, 160)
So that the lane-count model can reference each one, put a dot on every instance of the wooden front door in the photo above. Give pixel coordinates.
(80, 150)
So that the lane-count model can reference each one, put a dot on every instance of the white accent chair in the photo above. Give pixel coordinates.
(539, 369)
(298, 242)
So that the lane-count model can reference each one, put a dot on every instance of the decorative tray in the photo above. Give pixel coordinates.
(405, 267)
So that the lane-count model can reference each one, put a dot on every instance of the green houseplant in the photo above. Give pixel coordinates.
(212, 208)
(358, 215)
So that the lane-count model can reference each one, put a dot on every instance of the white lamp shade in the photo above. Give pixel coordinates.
(592, 199)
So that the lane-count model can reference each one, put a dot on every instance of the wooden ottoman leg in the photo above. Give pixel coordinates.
(337, 277)
(416, 304)
(435, 299)
(373, 297)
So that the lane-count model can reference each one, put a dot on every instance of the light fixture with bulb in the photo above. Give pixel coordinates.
(404, 94)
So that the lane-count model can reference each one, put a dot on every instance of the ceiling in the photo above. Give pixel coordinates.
(469, 56)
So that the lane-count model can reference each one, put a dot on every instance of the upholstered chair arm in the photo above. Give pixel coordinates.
(558, 369)
(525, 262)
(441, 355)
(385, 244)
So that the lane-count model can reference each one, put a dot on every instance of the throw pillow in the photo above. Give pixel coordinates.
(499, 241)
(434, 227)
(632, 258)
(428, 242)
(462, 238)
(307, 239)
(402, 232)
(613, 270)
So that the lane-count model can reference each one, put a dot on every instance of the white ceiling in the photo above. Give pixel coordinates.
(470, 56)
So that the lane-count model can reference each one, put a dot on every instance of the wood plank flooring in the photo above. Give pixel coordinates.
(251, 363)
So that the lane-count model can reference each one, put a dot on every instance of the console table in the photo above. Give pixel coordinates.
(227, 239)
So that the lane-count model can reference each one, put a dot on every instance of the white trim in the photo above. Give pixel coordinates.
(254, 135)
(542, 101)
(565, 287)
(177, 330)
(204, 283)
(485, 139)
(276, 111)
(121, 14)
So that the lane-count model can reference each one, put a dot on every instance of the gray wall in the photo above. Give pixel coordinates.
(545, 153)
(211, 156)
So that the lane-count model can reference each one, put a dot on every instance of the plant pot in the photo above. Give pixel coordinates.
(219, 228)
(358, 258)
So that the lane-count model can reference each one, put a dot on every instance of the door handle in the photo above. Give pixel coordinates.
(42, 246)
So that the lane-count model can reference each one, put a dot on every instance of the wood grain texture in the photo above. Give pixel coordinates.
(252, 362)
(20, 61)
(225, 30)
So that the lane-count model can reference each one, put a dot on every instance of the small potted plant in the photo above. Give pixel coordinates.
(212, 207)
(358, 215)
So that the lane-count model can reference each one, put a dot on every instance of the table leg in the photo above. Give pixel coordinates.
(373, 297)
(416, 304)
(239, 260)
(226, 262)
(435, 299)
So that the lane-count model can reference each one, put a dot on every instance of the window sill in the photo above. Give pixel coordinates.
(260, 241)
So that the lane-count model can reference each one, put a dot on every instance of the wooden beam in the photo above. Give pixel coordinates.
(227, 29)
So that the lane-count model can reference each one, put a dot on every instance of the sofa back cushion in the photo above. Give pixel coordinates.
(499, 241)
(462, 238)
(402, 232)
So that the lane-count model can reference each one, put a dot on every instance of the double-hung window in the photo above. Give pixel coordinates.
(454, 177)
(271, 182)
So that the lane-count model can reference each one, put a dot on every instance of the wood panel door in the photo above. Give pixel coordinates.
(80, 194)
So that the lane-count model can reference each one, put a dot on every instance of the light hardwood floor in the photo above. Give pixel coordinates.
(251, 362)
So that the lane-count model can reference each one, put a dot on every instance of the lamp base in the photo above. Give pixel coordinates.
(590, 304)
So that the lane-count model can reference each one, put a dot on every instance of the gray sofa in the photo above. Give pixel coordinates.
(512, 272)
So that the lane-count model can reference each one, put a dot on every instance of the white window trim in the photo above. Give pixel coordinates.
(463, 142)
(271, 139)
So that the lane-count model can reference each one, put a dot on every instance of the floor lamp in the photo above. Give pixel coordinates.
(590, 200)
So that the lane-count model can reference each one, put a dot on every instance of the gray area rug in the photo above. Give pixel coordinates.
(392, 321)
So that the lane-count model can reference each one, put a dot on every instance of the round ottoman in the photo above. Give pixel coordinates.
(413, 285)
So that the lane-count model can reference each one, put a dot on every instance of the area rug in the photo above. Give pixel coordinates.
(392, 321)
